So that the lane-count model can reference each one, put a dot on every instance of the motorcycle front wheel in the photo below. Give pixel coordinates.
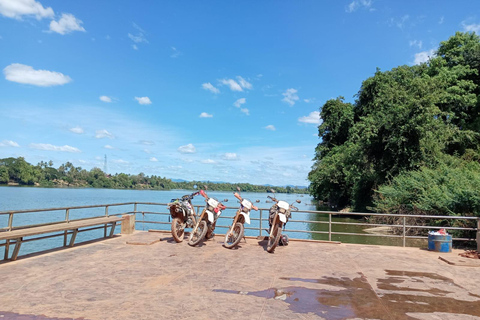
(198, 234)
(178, 230)
(234, 235)
(274, 238)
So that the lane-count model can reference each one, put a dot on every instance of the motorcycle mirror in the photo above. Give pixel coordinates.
(205, 187)
(238, 189)
(272, 191)
(298, 201)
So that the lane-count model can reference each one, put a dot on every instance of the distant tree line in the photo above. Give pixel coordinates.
(18, 171)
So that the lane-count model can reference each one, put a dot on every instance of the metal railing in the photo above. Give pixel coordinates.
(259, 220)
(264, 212)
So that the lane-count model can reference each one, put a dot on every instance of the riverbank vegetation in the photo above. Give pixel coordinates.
(17, 171)
(410, 143)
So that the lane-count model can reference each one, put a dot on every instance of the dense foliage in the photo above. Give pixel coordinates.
(18, 171)
(411, 141)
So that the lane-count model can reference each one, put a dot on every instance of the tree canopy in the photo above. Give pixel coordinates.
(408, 123)
(19, 171)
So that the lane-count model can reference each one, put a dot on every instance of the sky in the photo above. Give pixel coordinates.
(198, 90)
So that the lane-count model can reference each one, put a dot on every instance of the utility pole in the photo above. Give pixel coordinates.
(105, 165)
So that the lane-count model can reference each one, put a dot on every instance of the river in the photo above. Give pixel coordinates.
(19, 198)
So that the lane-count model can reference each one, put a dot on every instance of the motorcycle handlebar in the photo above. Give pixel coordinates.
(293, 208)
(236, 195)
(254, 208)
(203, 194)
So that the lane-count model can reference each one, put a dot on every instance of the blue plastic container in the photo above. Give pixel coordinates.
(440, 243)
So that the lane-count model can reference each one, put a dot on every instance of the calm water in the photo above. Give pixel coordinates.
(18, 198)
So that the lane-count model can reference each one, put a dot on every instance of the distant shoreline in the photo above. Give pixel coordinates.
(17, 185)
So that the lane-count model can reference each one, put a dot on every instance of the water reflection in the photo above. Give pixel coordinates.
(375, 236)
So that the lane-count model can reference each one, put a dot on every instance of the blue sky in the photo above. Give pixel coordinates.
(204, 90)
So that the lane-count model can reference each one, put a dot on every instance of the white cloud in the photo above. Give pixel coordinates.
(239, 102)
(99, 134)
(290, 96)
(175, 53)
(138, 38)
(147, 151)
(355, 5)
(416, 43)
(189, 148)
(120, 161)
(442, 19)
(146, 142)
(234, 86)
(309, 100)
(244, 83)
(107, 146)
(21, 73)
(208, 86)
(153, 159)
(143, 100)
(18, 8)
(245, 110)
(77, 130)
(209, 161)
(271, 127)
(230, 156)
(313, 117)
(66, 24)
(205, 115)
(51, 147)
(471, 27)
(423, 56)
(105, 99)
(9, 143)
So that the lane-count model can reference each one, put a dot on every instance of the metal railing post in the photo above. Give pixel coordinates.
(135, 207)
(404, 224)
(260, 225)
(10, 221)
(105, 226)
(478, 235)
(330, 227)
(67, 219)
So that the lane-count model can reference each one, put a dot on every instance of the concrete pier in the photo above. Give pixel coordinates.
(111, 279)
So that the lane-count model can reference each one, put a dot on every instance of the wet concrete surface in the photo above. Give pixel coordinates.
(305, 280)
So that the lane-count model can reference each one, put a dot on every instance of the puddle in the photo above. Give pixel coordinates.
(17, 316)
(355, 298)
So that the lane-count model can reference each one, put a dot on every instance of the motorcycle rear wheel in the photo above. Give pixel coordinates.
(178, 230)
(198, 234)
(274, 238)
(234, 236)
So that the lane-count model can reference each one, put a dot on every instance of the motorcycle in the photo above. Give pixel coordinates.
(183, 215)
(205, 225)
(280, 212)
(236, 231)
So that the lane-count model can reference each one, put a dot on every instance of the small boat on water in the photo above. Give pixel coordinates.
(225, 200)
(257, 201)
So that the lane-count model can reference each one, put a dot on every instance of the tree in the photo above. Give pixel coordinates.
(403, 120)
(3, 174)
